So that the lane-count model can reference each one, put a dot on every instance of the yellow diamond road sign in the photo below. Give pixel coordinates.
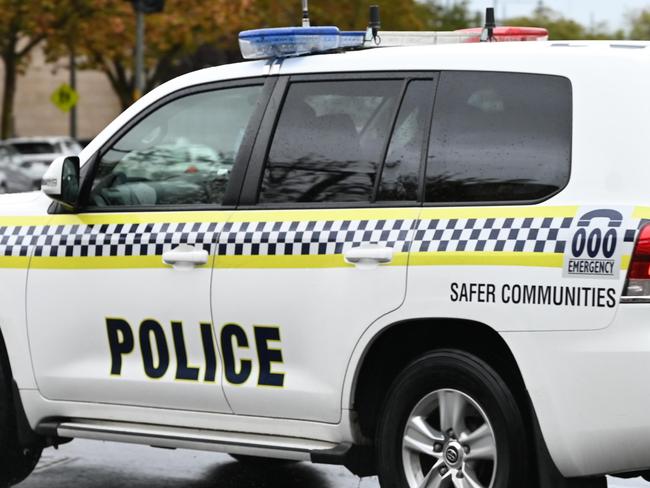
(64, 97)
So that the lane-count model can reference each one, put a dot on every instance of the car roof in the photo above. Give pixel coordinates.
(534, 57)
(565, 58)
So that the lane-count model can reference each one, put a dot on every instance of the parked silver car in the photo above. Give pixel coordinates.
(36, 153)
(15, 178)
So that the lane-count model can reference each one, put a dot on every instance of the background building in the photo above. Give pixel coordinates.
(36, 115)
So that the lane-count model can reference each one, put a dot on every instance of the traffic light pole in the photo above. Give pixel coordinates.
(139, 55)
(142, 7)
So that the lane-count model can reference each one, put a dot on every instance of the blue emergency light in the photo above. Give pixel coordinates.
(295, 41)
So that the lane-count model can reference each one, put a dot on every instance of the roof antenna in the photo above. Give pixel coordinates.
(374, 26)
(490, 24)
(305, 14)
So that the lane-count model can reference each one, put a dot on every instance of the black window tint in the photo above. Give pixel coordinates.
(180, 154)
(499, 137)
(400, 175)
(329, 141)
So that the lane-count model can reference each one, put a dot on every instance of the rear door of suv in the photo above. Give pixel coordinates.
(318, 248)
(498, 242)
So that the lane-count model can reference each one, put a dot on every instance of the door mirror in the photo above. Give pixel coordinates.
(61, 181)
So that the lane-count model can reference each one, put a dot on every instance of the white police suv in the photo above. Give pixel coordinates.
(430, 263)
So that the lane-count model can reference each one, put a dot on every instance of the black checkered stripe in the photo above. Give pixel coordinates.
(311, 237)
(105, 239)
(526, 234)
(290, 238)
(245, 238)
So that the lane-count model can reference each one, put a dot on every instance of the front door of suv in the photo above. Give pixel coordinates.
(118, 297)
(318, 249)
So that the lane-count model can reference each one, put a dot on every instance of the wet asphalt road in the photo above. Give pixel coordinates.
(90, 464)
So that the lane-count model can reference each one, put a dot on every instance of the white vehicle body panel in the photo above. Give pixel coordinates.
(574, 360)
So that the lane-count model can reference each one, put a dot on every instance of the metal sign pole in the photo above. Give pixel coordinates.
(305, 14)
(73, 85)
(139, 54)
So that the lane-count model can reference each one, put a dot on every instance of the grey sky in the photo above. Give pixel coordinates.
(610, 11)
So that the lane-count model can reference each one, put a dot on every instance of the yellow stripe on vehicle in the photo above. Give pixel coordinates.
(456, 258)
(641, 213)
(222, 262)
(295, 262)
(297, 215)
(625, 262)
(14, 262)
(141, 218)
(497, 212)
(24, 220)
(101, 262)
(325, 214)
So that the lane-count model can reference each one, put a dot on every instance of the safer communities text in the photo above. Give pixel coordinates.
(517, 294)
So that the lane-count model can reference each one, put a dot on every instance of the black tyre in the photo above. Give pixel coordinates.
(16, 462)
(450, 421)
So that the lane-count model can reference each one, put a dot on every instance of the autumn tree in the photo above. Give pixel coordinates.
(105, 39)
(24, 24)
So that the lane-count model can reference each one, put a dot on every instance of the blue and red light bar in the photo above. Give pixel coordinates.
(296, 41)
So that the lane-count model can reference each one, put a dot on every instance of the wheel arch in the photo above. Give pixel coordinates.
(393, 347)
(404, 340)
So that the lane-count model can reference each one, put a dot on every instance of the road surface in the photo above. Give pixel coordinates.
(91, 464)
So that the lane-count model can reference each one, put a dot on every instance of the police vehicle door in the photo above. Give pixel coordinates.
(318, 249)
(118, 298)
(499, 242)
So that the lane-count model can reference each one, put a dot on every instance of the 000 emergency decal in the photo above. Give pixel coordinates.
(596, 244)
(155, 353)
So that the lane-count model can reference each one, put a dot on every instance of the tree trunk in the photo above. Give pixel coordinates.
(125, 94)
(120, 82)
(8, 96)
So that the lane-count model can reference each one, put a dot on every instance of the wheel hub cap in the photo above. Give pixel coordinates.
(449, 442)
(454, 455)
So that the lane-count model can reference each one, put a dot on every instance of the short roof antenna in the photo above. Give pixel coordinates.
(374, 25)
(490, 24)
(305, 14)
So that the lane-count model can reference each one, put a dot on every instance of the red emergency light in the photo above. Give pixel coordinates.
(507, 34)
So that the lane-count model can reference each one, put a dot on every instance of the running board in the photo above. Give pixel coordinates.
(291, 448)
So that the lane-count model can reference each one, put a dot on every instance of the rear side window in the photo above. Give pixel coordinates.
(329, 142)
(499, 137)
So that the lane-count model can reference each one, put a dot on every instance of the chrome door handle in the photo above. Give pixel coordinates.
(185, 256)
(369, 255)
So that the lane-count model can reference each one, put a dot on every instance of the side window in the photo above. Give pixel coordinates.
(401, 170)
(499, 137)
(329, 141)
(181, 154)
